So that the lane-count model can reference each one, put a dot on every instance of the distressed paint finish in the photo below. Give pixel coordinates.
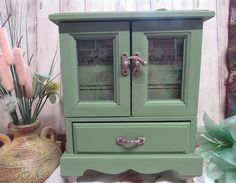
(213, 58)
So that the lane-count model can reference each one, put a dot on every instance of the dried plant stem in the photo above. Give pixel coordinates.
(53, 62)
(1, 94)
(2, 90)
(18, 44)
(14, 117)
(9, 23)
(30, 59)
(16, 92)
(23, 101)
(6, 20)
(41, 107)
(26, 102)
(36, 88)
(38, 106)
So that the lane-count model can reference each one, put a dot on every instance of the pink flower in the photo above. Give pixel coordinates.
(20, 68)
(28, 85)
(5, 47)
(5, 75)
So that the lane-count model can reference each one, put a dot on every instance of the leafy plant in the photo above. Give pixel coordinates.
(217, 145)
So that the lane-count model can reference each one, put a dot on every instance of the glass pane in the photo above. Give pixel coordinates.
(165, 68)
(95, 64)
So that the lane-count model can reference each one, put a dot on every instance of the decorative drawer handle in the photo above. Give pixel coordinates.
(124, 141)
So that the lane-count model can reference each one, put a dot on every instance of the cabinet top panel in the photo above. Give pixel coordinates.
(131, 15)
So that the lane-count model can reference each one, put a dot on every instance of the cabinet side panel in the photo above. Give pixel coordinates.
(193, 134)
(69, 136)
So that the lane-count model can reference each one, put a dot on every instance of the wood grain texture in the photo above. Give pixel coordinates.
(71, 5)
(222, 38)
(42, 36)
(159, 4)
(209, 91)
(182, 4)
(91, 5)
(47, 46)
(28, 24)
(214, 71)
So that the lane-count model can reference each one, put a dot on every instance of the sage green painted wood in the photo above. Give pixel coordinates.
(135, 15)
(73, 107)
(114, 119)
(184, 164)
(142, 106)
(101, 137)
(168, 125)
(193, 132)
(166, 121)
(69, 136)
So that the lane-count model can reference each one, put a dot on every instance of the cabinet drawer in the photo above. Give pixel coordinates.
(171, 137)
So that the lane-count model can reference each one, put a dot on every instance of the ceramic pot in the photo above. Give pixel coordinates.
(28, 158)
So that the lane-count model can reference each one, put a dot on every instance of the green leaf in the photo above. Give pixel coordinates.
(204, 152)
(229, 126)
(38, 83)
(204, 141)
(52, 98)
(60, 97)
(213, 172)
(228, 154)
(201, 129)
(40, 77)
(215, 131)
(222, 162)
(230, 177)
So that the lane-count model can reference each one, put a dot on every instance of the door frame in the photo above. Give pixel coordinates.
(73, 106)
(141, 106)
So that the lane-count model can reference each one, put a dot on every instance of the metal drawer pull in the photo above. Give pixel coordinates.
(124, 141)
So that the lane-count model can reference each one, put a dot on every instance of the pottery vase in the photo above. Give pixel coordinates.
(29, 157)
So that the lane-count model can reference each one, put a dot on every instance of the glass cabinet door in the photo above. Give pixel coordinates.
(164, 87)
(165, 67)
(96, 85)
(95, 69)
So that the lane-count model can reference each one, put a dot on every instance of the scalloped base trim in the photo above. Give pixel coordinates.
(183, 164)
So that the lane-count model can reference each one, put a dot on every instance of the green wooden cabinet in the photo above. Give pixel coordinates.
(130, 86)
